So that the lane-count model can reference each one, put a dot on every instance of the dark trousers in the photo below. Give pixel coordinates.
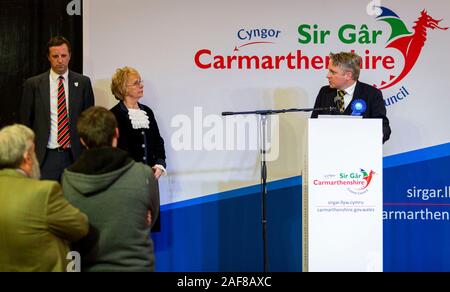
(55, 161)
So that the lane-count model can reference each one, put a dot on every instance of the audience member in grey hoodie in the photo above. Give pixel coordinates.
(119, 195)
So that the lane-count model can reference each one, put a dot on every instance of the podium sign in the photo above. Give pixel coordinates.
(342, 197)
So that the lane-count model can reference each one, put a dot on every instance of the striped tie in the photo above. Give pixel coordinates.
(63, 117)
(340, 101)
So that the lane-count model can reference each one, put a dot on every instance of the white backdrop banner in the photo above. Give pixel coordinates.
(199, 58)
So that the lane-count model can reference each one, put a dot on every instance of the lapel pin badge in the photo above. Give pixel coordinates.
(76, 84)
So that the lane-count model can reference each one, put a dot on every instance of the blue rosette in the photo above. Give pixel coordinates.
(359, 106)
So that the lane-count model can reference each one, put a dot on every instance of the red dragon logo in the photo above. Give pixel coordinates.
(409, 44)
(367, 177)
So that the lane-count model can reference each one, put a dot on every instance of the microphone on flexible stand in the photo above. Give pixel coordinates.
(331, 109)
(337, 100)
(326, 109)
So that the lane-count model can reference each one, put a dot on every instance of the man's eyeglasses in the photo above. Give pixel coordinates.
(137, 83)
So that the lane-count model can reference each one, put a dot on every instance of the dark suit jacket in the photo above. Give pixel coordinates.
(144, 145)
(371, 95)
(35, 108)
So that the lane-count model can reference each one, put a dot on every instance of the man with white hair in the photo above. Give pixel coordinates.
(36, 221)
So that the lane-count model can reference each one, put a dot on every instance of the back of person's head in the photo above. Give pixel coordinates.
(348, 61)
(58, 41)
(15, 141)
(119, 81)
(96, 126)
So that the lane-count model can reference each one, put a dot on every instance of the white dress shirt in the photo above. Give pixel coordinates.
(349, 91)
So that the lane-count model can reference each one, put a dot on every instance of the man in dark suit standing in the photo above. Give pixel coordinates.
(348, 95)
(50, 105)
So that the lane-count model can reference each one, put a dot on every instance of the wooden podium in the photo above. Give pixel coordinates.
(343, 195)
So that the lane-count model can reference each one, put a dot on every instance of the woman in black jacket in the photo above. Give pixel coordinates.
(138, 130)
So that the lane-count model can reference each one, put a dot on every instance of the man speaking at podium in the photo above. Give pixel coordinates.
(348, 95)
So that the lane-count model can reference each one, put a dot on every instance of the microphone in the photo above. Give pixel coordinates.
(227, 113)
(326, 109)
(336, 99)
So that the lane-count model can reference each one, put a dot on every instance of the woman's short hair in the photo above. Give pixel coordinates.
(97, 126)
(15, 141)
(119, 81)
